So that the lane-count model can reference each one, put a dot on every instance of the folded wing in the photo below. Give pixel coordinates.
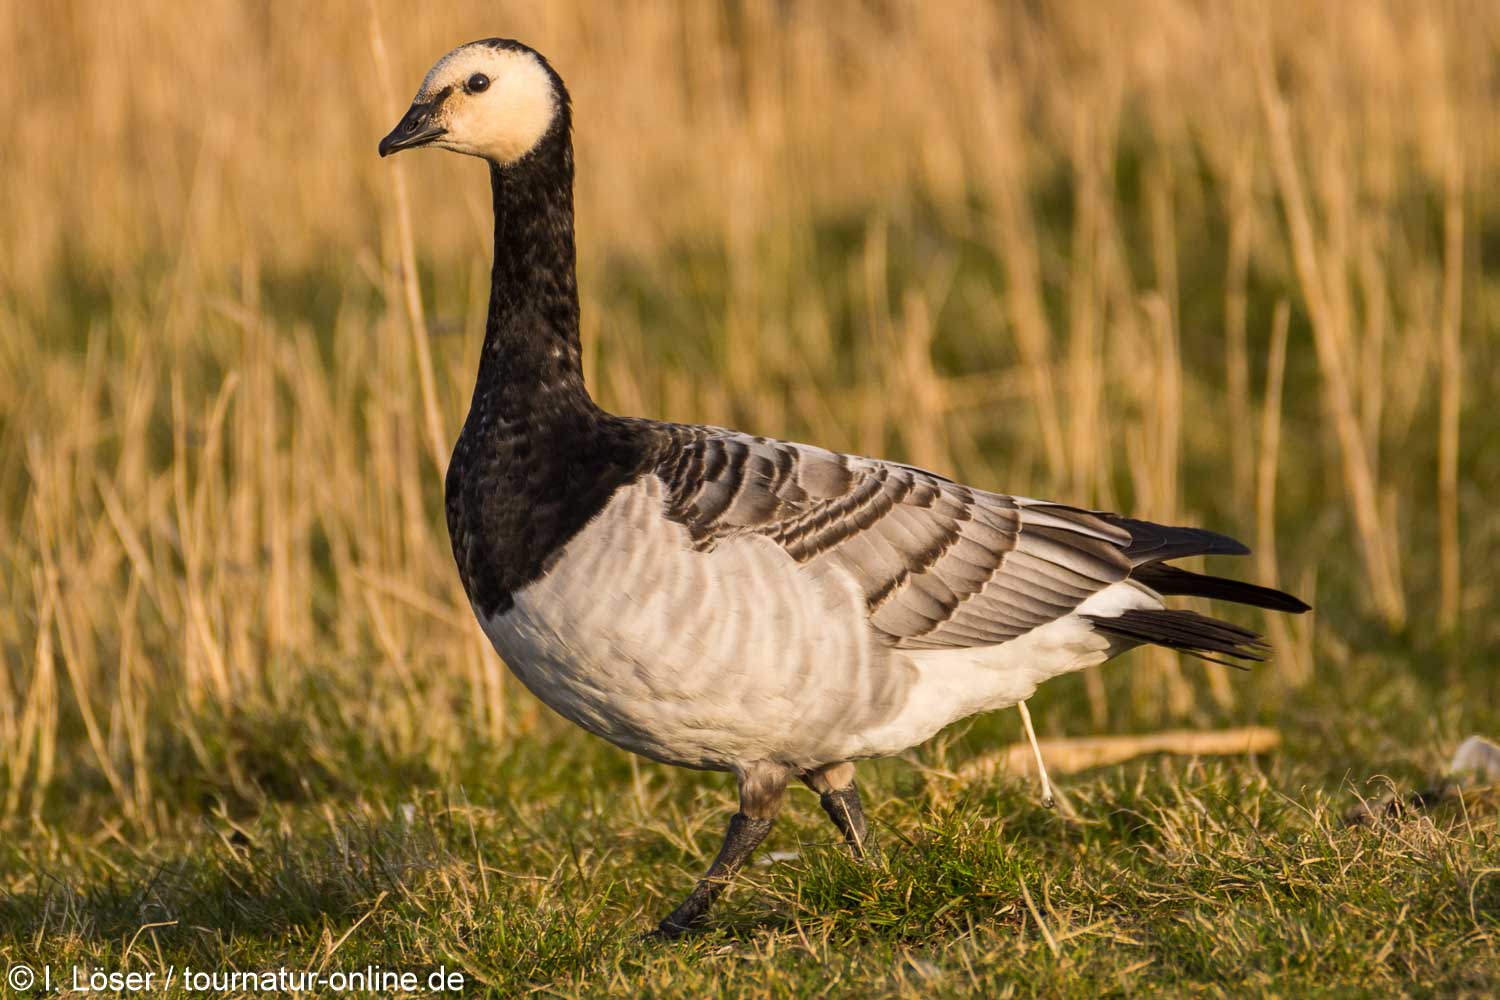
(941, 565)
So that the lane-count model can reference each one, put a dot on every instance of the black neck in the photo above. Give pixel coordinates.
(537, 459)
(532, 366)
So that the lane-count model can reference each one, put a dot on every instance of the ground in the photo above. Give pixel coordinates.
(542, 868)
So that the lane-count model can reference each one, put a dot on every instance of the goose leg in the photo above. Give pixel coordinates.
(839, 797)
(761, 788)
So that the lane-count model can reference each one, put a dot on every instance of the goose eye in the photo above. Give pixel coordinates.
(478, 82)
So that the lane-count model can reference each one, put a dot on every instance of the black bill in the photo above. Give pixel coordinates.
(417, 128)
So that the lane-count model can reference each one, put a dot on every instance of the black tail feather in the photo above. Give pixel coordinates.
(1187, 631)
(1155, 542)
(1174, 581)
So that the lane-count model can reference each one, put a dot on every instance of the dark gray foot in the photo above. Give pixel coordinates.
(744, 836)
(843, 807)
(761, 788)
(839, 796)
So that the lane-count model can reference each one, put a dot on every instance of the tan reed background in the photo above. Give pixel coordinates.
(226, 392)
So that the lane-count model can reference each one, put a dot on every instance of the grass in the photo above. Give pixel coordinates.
(1229, 878)
(1215, 265)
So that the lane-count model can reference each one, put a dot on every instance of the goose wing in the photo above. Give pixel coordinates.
(942, 565)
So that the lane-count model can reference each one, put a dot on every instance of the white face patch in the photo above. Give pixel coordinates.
(504, 121)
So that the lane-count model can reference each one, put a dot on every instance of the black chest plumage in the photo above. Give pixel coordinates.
(518, 492)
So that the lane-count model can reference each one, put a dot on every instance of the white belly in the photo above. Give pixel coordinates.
(739, 654)
(697, 658)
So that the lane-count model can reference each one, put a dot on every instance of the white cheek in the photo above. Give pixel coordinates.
(516, 130)
(503, 126)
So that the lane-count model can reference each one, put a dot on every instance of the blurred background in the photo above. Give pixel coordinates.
(1204, 262)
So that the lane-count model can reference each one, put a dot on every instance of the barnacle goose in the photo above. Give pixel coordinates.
(717, 600)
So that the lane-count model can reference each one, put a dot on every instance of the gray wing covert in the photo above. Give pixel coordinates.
(942, 565)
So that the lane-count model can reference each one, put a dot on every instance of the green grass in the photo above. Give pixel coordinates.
(540, 867)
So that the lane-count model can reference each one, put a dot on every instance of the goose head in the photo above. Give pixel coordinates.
(495, 99)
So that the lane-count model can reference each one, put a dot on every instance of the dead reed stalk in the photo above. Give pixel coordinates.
(1335, 346)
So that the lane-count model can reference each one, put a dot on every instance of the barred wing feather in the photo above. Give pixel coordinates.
(942, 565)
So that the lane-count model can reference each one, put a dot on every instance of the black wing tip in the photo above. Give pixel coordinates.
(1152, 542)
(1223, 545)
(1289, 604)
(1174, 581)
(1293, 605)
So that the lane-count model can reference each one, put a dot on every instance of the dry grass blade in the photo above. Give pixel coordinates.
(1450, 395)
(1292, 665)
(437, 439)
(1040, 923)
(1036, 753)
(1333, 341)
